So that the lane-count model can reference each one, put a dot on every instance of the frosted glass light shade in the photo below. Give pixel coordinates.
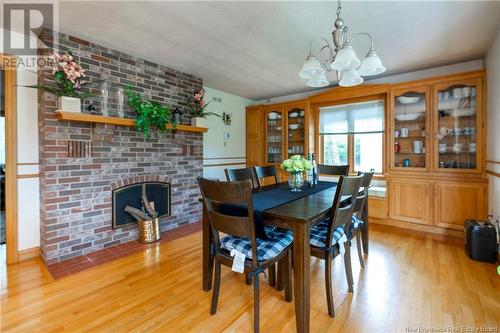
(371, 65)
(319, 81)
(350, 78)
(311, 69)
(346, 59)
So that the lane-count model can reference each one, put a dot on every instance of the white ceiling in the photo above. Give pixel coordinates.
(256, 49)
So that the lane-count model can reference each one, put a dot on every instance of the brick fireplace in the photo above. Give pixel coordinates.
(76, 192)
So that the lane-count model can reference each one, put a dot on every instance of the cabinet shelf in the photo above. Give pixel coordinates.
(95, 119)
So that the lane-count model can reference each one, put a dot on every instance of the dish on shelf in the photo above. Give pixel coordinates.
(461, 112)
(408, 100)
(408, 116)
(278, 128)
(301, 113)
(293, 114)
(293, 126)
(272, 115)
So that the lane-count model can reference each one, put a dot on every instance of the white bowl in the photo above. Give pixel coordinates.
(272, 115)
(408, 100)
(293, 126)
(293, 115)
(408, 116)
(458, 93)
(278, 128)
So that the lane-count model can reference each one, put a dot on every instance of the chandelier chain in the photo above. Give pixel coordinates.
(339, 8)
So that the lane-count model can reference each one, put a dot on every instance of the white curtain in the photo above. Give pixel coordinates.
(364, 117)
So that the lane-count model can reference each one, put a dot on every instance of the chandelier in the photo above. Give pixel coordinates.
(343, 59)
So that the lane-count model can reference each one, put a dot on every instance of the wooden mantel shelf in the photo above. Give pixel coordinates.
(90, 118)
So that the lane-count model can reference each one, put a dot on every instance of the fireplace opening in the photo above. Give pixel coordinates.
(158, 193)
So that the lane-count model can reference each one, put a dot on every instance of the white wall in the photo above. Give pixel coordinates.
(410, 76)
(27, 156)
(493, 124)
(219, 152)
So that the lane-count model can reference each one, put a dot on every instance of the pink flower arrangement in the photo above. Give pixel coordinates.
(196, 103)
(65, 63)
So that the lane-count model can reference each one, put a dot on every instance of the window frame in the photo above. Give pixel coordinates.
(350, 137)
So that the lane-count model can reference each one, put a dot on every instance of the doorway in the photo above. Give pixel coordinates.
(3, 234)
(8, 161)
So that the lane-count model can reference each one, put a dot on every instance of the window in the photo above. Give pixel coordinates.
(353, 134)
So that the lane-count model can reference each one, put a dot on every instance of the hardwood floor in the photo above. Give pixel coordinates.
(411, 280)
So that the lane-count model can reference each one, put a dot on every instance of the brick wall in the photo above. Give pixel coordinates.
(75, 193)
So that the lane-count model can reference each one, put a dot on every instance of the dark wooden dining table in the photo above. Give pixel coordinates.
(298, 216)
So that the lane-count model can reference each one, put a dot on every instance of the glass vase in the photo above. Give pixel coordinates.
(295, 181)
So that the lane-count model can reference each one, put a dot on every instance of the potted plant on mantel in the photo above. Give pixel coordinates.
(69, 78)
(197, 106)
(150, 114)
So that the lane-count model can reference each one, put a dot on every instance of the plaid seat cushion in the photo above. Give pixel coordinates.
(319, 231)
(279, 239)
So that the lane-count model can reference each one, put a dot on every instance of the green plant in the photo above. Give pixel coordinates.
(150, 114)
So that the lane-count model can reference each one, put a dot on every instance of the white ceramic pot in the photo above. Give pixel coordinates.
(198, 122)
(69, 104)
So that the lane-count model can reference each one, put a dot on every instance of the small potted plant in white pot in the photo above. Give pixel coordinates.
(69, 78)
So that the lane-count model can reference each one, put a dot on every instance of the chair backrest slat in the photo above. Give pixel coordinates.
(238, 175)
(363, 194)
(262, 172)
(343, 204)
(231, 225)
(333, 170)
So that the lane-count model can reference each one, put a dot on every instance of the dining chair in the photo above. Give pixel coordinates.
(262, 172)
(328, 236)
(240, 236)
(233, 175)
(358, 221)
(236, 175)
(333, 170)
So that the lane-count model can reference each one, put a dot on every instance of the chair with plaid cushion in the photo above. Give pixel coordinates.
(358, 227)
(328, 236)
(240, 237)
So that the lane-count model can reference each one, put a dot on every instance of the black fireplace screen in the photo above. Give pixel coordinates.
(157, 192)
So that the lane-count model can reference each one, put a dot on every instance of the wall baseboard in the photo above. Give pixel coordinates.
(28, 253)
(418, 227)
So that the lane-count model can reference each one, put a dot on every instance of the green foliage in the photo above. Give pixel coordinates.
(150, 114)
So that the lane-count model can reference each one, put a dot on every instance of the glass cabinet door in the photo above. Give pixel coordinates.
(274, 136)
(458, 125)
(410, 129)
(296, 131)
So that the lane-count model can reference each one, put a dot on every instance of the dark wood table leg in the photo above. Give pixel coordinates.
(301, 274)
(207, 254)
(365, 232)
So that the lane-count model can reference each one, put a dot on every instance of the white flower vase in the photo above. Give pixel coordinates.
(198, 122)
(69, 104)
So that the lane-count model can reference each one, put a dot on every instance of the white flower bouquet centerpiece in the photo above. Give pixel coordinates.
(296, 165)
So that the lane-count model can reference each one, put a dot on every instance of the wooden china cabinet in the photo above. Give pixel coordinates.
(436, 146)
(434, 161)
(277, 132)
